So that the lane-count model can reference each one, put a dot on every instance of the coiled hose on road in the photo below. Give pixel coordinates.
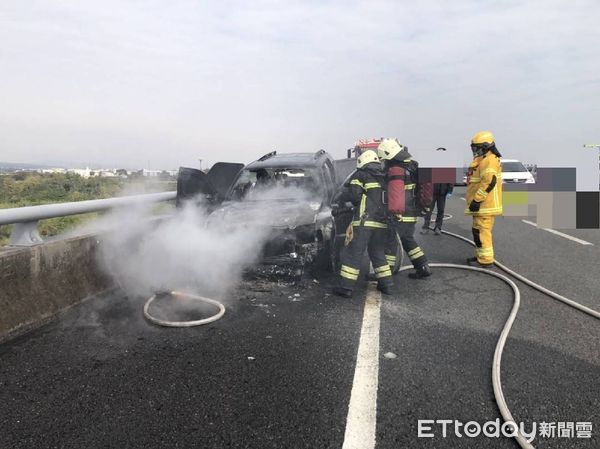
(177, 294)
(496, 364)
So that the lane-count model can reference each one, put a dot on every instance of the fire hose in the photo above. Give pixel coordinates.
(177, 294)
(497, 360)
(496, 363)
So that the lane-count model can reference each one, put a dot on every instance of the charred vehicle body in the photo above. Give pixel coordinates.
(288, 194)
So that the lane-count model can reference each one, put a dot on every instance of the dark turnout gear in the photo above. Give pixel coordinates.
(405, 232)
(440, 192)
(364, 191)
(418, 196)
(373, 241)
(369, 229)
(418, 199)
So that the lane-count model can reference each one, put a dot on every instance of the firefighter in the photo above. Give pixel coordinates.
(416, 200)
(368, 230)
(484, 195)
(441, 192)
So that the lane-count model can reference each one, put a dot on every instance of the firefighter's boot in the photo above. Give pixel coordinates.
(386, 289)
(421, 272)
(473, 262)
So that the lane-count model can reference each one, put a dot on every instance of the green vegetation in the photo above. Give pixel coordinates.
(30, 189)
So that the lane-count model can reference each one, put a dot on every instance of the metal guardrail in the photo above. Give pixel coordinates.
(25, 219)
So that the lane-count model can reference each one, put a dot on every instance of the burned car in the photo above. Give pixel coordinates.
(290, 194)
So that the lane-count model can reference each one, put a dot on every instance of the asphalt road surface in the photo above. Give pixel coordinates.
(280, 369)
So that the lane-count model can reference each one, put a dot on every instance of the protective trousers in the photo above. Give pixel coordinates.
(406, 233)
(440, 201)
(373, 241)
(482, 236)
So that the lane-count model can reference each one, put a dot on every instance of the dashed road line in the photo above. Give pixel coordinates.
(361, 421)
(567, 236)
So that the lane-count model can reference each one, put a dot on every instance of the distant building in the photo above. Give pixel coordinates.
(151, 173)
(83, 172)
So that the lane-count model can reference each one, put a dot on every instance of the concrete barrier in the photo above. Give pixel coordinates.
(37, 282)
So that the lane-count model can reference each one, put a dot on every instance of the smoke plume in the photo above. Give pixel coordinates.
(193, 249)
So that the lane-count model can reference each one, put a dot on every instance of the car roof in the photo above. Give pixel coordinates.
(289, 160)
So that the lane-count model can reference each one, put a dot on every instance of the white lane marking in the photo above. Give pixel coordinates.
(361, 421)
(567, 236)
(463, 198)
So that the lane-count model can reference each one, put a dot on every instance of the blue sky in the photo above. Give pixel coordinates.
(164, 83)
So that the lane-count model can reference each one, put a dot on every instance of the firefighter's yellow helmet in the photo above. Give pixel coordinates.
(388, 148)
(367, 157)
(485, 138)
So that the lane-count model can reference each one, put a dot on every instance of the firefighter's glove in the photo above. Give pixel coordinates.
(474, 206)
(425, 211)
(349, 234)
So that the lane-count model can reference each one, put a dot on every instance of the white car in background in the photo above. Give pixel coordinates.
(513, 171)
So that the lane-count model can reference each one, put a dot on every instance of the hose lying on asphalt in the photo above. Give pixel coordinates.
(496, 382)
(192, 323)
(532, 284)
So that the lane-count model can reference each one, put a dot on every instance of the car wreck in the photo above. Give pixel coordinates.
(290, 194)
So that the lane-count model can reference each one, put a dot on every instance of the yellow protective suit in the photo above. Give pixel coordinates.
(484, 185)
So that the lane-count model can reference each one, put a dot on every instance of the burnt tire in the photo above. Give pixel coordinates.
(337, 247)
(326, 258)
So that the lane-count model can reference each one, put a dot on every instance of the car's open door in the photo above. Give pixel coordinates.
(222, 175)
(212, 186)
(343, 167)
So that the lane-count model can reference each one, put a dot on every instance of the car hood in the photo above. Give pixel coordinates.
(274, 213)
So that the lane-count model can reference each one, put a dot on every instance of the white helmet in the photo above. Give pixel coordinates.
(388, 148)
(367, 157)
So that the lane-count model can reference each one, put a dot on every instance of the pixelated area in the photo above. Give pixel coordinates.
(553, 199)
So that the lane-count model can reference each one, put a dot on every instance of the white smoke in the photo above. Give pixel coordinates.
(188, 250)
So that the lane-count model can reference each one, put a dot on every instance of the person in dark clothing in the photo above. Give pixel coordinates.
(368, 230)
(441, 192)
(417, 199)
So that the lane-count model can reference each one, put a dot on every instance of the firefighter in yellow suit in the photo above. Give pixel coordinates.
(484, 195)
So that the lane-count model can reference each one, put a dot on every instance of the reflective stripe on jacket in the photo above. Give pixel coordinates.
(484, 185)
(365, 191)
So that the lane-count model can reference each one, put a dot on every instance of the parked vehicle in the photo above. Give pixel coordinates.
(513, 171)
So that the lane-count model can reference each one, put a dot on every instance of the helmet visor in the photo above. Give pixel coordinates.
(478, 149)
